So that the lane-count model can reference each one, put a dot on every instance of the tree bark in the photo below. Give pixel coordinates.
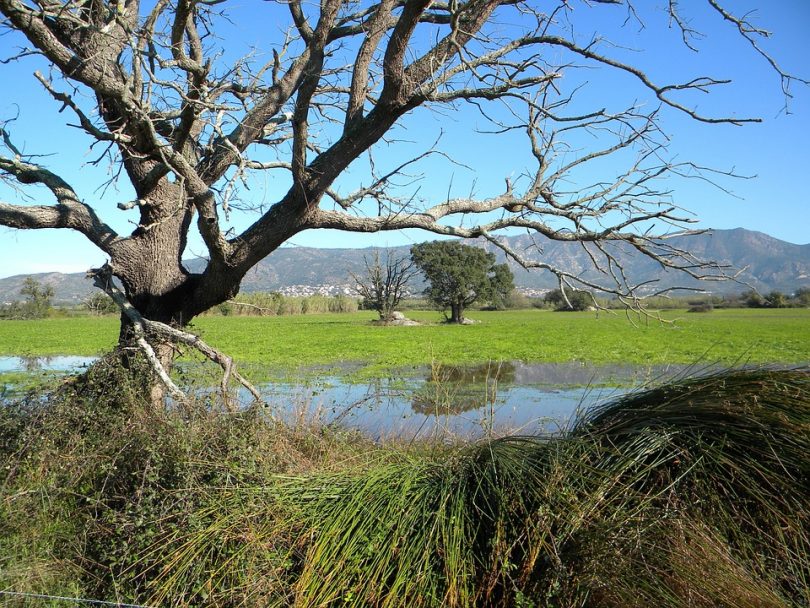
(457, 312)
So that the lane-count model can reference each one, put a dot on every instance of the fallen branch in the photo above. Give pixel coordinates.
(224, 361)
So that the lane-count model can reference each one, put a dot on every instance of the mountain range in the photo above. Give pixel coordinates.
(768, 263)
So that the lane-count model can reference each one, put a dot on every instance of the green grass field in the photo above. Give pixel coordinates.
(297, 342)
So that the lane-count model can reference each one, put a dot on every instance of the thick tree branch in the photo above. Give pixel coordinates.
(377, 26)
(69, 211)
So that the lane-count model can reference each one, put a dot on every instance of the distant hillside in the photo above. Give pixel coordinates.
(771, 264)
(68, 288)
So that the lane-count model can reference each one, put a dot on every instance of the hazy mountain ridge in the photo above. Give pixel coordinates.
(771, 264)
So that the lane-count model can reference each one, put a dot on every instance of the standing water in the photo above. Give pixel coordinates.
(440, 401)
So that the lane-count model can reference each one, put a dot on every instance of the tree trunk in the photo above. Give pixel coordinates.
(149, 266)
(129, 351)
(456, 312)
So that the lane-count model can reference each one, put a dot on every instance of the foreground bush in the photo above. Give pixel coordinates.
(695, 493)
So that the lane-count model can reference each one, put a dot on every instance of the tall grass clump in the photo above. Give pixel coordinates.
(691, 494)
(727, 514)
(694, 493)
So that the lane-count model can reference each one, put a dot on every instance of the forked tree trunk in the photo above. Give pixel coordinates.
(161, 290)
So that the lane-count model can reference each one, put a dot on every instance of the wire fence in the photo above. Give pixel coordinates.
(76, 601)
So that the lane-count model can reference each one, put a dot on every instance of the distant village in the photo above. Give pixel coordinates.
(348, 289)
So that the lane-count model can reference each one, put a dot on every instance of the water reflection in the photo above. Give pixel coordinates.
(404, 412)
(34, 364)
(473, 374)
(28, 363)
(454, 400)
(457, 389)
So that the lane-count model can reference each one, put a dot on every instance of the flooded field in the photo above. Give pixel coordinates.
(439, 401)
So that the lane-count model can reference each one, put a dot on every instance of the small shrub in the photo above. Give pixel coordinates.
(343, 303)
(700, 306)
(776, 299)
(100, 304)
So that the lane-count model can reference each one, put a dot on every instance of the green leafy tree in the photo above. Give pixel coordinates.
(776, 299)
(802, 297)
(38, 299)
(460, 275)
(753, 299)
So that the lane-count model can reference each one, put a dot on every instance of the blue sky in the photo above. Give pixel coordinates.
(777, 151)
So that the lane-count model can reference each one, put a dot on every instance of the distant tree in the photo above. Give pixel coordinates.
(384, 283)
(504, 285)
(700, 306)
(731, 300)
(460, 275)
(802, 297)
(776, 299)
(570, 300)
(38, 299)
(100, 304)
(753, 299)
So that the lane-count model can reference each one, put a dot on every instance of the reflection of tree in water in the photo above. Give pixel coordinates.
(452, 390)
(33, 364)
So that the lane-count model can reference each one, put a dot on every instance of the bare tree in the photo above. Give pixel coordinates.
(384, 284)
(153, 86)
(100, 304)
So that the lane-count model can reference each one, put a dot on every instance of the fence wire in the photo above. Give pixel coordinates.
(75, 600)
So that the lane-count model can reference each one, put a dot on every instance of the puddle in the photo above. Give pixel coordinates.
(461, 401)
(44, 364)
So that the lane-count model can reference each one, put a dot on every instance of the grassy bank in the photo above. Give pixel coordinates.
(725, 336)
(692, 494)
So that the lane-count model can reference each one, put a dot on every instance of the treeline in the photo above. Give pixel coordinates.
(275, 304)
(582, 300)
(776, 299)
(747, 299)
(38, 303)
